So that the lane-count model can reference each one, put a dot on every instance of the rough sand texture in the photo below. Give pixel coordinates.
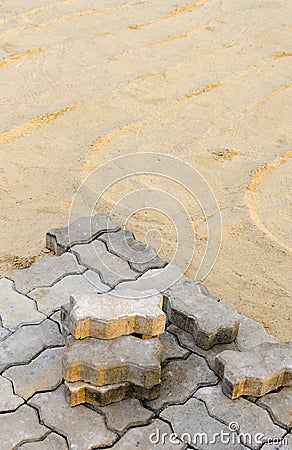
(207, 81)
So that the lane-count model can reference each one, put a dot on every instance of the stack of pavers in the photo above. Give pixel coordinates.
(108, 357)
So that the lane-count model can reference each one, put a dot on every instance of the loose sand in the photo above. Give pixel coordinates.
(84, 81)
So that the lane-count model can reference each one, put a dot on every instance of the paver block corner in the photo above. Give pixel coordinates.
(255, 372)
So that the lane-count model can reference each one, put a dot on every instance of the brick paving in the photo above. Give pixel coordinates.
(191, 410)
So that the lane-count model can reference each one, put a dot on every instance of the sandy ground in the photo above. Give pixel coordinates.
(85, 81)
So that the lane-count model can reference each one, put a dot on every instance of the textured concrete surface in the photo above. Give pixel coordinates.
(110, 267)
(255, 372)
(82, 231)
(44, 373)
(78, 393)
(16, 309)
(126, 414)
(249, 417)
(34, 411)
(140, 256)
(180, 379)
(51, 442)
(8, 400)
(125, 358)
(83, 428)
(50, 299)
(107, 316)
(20, 426)
(279, 405)
(45, 272)
(27, 342)
(189, 308)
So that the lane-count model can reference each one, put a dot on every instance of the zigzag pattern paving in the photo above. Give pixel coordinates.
(33, 410)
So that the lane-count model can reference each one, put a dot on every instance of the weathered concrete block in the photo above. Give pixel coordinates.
(256, 372)
(79, 392)
(156, 436)
(209, 320)
(16, 309)
(279, 405)
(121, 416)
(180, 379)
(27, 341)
(45, 273)
(82, 231)
(110, 267)
(108, 316)
(192, 422)
(101, 362)
(251, 333)
(52, 442)
(43, 373)
(50, 299)
(171, 348)
(84, 429)
(21, 425)
(188, 341)
(160, 279)
(140, 256)
(250, 419)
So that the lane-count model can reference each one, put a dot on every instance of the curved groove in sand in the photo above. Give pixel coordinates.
(251, 197)
(31, 126)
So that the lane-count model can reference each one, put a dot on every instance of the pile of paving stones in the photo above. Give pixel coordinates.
(113, 350)
(220, 371)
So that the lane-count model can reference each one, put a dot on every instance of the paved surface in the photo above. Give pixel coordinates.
(33, 410)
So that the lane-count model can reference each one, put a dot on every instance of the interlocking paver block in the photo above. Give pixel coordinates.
(188, 341)
(250, 418)
(211, 322)
(45, 273)
(170, 347)
(180, 378)
(16, 309)
(140, 256)
(194, 425)
(27, 342)
(42, 374)
(251, 333)
(19, 426)
(50, 299)
(160, 279)
(111, 268)
(52, 442)
(82, 231)
(279, 405)
(79, 392)
(108, 316)
(101, 362)
(8, 400)
(255, 372)
(156, 436)
(85, 429)
(125, 414)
